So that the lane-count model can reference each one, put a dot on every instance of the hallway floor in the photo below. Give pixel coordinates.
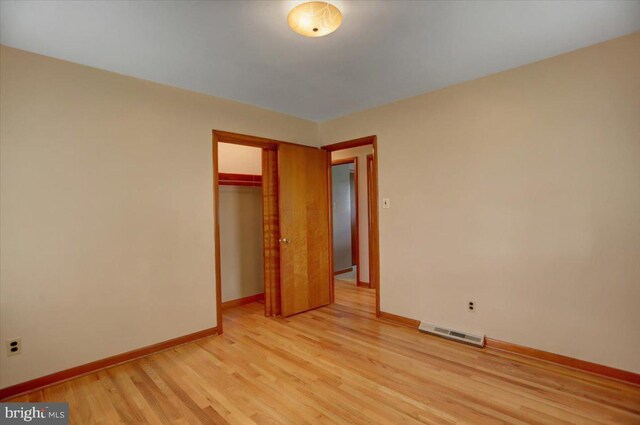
(348, 276)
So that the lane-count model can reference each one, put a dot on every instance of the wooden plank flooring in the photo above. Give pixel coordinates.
(339, 364)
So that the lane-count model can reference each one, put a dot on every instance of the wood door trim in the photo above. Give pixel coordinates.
(347, 270)
(237, 139)
(220, 136)
(77, 371)
(248, 140)
(354, 143)
(343, 161)
(356, 250)
(369, 211)
(374, 234)
(332, 289)
(271, 233)
(232, 179)
(216, 232)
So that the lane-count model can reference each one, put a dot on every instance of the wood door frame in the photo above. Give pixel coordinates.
(370, 204)
(356, 250)
(220, 136)
(374, 234)
(236, 139)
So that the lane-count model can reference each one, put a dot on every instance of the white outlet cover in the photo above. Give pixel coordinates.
(386, 203)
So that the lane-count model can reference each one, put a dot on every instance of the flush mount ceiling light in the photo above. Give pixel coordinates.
(314, 19)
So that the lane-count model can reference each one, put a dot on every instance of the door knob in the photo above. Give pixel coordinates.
(284, 240)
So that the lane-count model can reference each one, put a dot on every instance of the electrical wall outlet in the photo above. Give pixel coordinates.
(471, 306)
(14, 346)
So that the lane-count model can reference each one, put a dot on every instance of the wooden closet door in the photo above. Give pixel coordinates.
(271, 232)
(305, 273)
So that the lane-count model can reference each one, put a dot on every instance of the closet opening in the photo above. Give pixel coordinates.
(246, 224)
(276, 193)
(241, 225)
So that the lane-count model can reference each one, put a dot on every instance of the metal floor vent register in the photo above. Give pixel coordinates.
(428, 328)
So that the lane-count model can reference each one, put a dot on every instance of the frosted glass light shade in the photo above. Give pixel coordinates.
(314, 19)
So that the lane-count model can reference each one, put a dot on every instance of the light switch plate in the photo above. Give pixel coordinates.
(386, 203)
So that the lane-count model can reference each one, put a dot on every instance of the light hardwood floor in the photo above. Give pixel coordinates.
(339, 364)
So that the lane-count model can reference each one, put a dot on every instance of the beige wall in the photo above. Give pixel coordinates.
(239, 159)
(520, 191)
(106, 208)
(361, 153)
(241, 259)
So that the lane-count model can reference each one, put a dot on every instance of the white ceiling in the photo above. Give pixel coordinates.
(241, 50)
